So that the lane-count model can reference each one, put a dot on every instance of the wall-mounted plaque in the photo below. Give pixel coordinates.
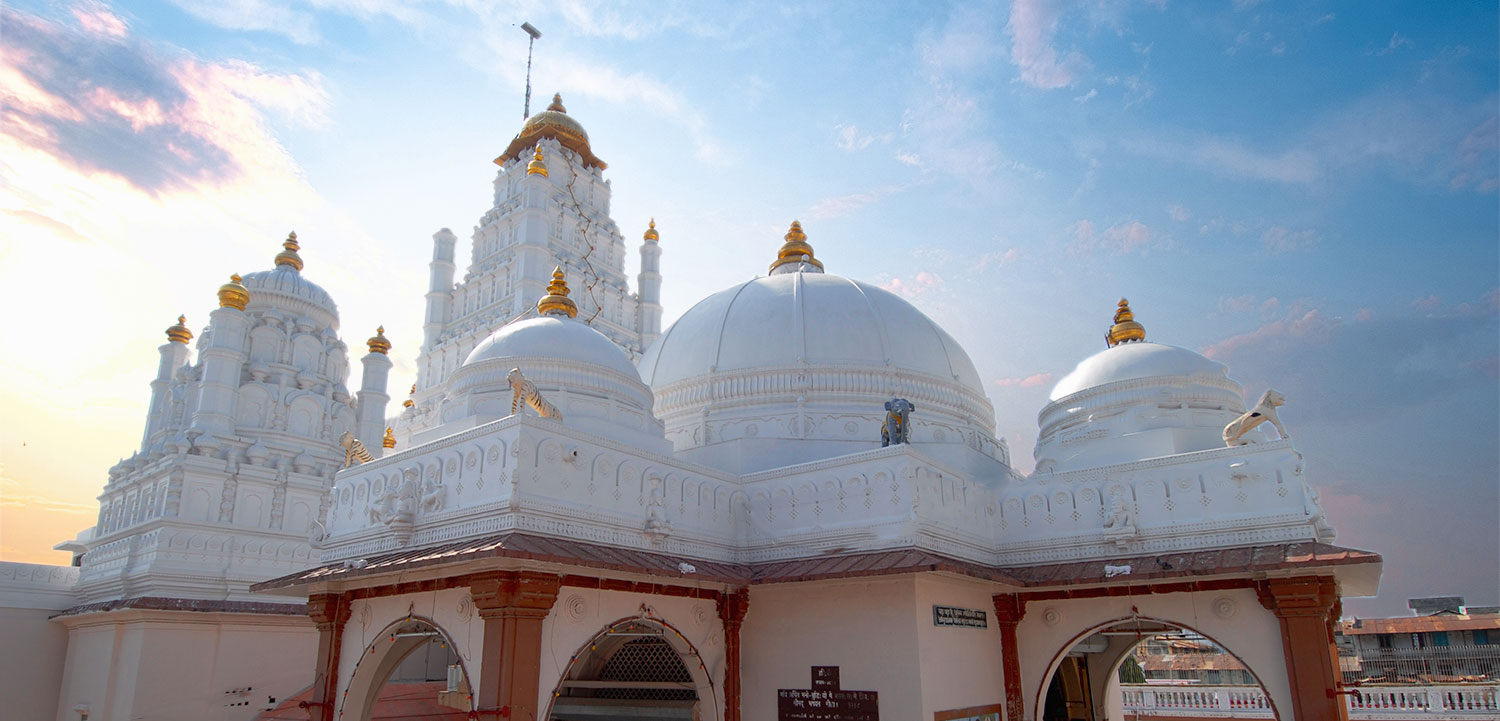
(950, 616)
(825, 701)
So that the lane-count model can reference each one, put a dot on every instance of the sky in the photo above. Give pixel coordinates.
(1305, 191)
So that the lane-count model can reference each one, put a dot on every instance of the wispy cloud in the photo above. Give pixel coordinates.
(1032, 381)
(849, 139)
(1232, 158)
(1397, 42)
(1119, 239)
(918, 285)
(1033, 23)
(1281, 239)
(843, 205)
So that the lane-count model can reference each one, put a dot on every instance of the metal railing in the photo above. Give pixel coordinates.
(1434, 663)
(1480, 701)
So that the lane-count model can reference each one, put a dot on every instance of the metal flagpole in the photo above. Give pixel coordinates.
(534, 33)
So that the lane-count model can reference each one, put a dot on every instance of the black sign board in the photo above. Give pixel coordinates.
(825, 701)
(950, 616)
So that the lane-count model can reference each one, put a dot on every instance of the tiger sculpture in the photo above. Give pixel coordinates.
(525, 391)
(354, 450)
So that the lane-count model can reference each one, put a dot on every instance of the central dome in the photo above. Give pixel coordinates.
(555, 123)
(809, 357)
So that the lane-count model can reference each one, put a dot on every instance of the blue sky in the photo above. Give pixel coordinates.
(1306, 191)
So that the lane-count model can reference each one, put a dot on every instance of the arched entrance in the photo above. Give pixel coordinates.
(1149, 667)
(639, 668)
(410, 670)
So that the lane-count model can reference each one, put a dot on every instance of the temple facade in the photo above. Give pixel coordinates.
(791, 504)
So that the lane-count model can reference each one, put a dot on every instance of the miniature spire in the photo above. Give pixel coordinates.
(556, 301)
(557, 105)
(1125, 329)
(796, 253)
(536, 166)
(409, 402)
(179, 333)
(651, 233)
(233, 295)
(378, 342)
(288, 256)
(389, 441)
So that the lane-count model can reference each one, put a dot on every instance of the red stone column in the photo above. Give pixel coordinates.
(732, 610)
(1009, 609)
(329, 611)
(1304, 606)
(512, 606)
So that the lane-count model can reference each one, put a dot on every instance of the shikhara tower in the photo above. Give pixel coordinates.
(551, 208)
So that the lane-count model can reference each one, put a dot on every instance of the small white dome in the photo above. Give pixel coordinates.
(1132, 361)
(286, 283)
(576, 368)
(1133, 401)
(553, 337)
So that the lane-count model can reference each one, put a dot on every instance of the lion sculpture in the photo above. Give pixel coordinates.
(1265, 410)
(354, 450)
(526, 392)
(897, 426)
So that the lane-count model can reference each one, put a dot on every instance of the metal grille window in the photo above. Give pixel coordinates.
(646, 660)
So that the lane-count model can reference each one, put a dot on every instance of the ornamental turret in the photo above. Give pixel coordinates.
(174, 355)
(648, 286)
(372, 396)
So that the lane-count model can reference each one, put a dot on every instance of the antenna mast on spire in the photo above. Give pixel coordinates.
(534, 33)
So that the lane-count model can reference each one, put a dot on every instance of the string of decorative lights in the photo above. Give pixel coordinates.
(585, 234)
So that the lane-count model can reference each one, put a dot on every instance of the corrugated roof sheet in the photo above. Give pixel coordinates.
(517, 545)
(1420, 624)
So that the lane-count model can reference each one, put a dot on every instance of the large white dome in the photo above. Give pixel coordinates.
(813, 319)
(808, 359)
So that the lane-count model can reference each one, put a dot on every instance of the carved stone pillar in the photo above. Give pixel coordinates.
(329, 612)
(512, 606)
(732, 610)
(1009, 609)
(1304, 607)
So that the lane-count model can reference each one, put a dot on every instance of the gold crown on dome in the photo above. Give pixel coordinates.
(537, 166)
(288, 255)
(389, 441)
(796, 249)
(179, 333)
(409, 402)
(378, 342)
(556, 301)
(234, 294)
(651, 233)
(1125, 329)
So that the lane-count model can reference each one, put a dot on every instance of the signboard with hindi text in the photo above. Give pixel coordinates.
(825, 701)
(951, 616)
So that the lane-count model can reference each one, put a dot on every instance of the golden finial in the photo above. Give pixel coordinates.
(795, 250)
(556, 301)
(378, 342)
(288, 256)
(1125, 329)
(536, 166)
(233, 295)
(390, 438)
(409, 402)
(651, 231)
(179, 333)
(557, 106)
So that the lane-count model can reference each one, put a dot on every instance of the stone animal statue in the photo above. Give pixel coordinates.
(1263, 411)
(526, 392)
(897, 426)
(354, 450)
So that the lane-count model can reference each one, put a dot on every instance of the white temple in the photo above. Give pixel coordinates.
(800, 474)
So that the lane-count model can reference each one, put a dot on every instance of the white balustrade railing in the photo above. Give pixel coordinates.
(1368, 702)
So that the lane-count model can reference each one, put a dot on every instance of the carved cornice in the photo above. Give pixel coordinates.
(1305, 596)
(514, 593)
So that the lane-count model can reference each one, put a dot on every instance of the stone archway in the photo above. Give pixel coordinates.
(369, 696)
(641, 666)
(1081, 683)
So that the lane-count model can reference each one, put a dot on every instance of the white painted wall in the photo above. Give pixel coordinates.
(178, 666)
